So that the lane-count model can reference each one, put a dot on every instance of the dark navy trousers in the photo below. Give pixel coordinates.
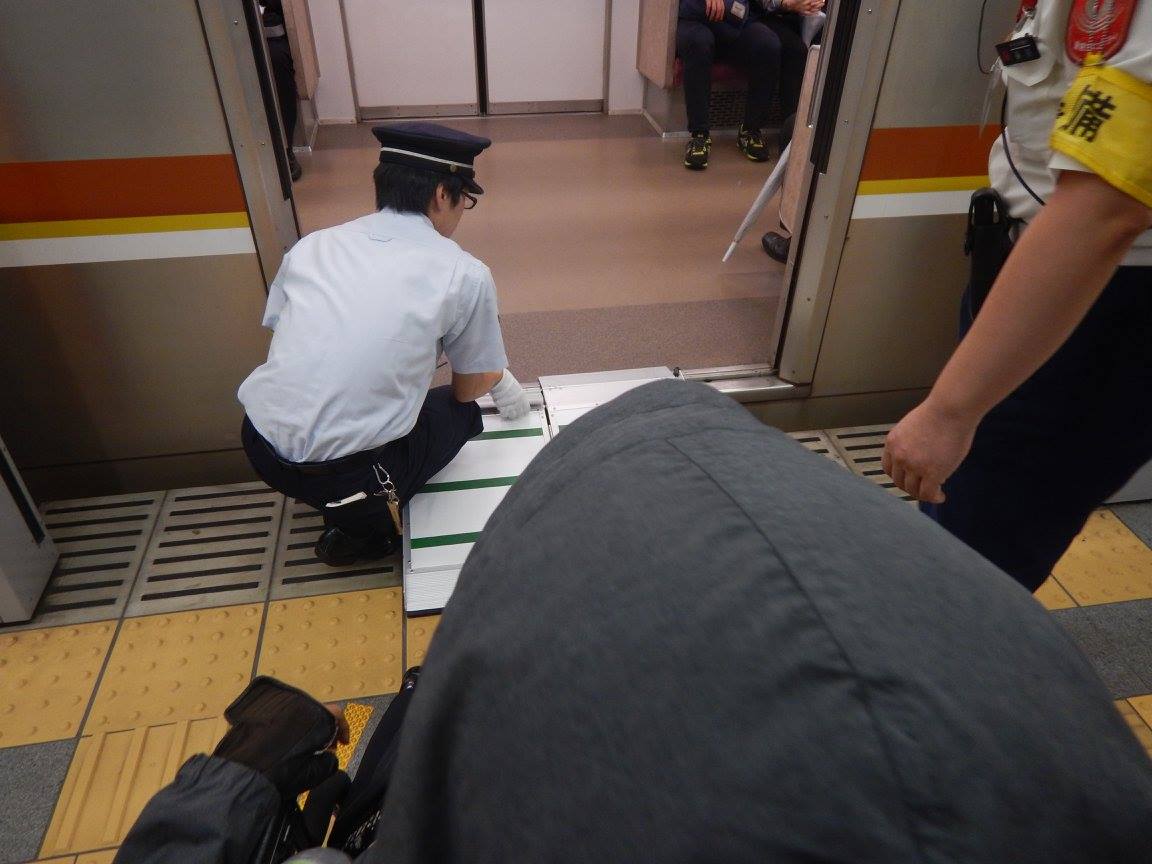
(442, 428)
(1063, 442)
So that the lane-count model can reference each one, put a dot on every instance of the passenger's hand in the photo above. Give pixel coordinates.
(804, 7)
(714, 10)
(510, 398)
(925, 448)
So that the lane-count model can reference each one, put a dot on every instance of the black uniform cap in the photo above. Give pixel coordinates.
(434, 148)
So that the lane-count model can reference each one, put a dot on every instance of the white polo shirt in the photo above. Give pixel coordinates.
(360, 314)
(1039, 140)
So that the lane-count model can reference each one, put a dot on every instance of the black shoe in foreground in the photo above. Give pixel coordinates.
(752, 144)
(294, 167)
(337, 549)
(696, 154)
(776, 245)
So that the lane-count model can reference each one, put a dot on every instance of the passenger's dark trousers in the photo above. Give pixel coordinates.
(1061, 444)
(442, 428)
(768, 50)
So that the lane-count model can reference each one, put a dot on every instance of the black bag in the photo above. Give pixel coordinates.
(988, 243)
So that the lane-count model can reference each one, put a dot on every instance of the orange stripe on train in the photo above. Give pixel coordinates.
(119, 188)
(927, 151)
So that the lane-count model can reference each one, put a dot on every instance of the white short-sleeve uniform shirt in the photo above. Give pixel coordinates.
(1037, 139)
(360, 314)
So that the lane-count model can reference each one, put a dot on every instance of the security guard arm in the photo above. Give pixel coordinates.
(1045, 289)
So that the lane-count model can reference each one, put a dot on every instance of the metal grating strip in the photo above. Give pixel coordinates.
(862, 448)
(819, 442)
(101, 543)
(298, 573)
(213, 546)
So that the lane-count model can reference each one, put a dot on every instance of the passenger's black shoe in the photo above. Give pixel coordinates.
(696, 154)
(776, 245)
(293, 166)
(752, 144)
(338, 549)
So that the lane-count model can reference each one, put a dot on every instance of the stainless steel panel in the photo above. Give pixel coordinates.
(101, 542)
(127, 359)
(108, 79)
(256, 134)
(299, 573)
(135, 475)
(554, 107)
(892, 322)
(932, 78)
(819, 443)
(393, 112)
(27, 552)
(812, 271)
(213, 546)
(835, 411)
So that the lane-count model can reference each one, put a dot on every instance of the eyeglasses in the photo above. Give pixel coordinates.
(470, 200)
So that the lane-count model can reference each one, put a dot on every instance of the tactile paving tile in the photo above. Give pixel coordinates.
(213, 546)
(419, 637)
(818, 442)
(183, 666)
(46, 680)
(299, 573)
(336, 646)
(1053, 596)
(862, 448)
(101, 543)
(1139, 720)
(113, 775)
(1106, 563)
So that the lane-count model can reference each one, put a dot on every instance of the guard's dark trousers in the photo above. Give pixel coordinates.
(1063, 442)
(768, 50)
(442, 428)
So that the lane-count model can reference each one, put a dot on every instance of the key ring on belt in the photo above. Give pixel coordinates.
(388, 489)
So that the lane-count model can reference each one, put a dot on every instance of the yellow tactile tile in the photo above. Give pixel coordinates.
(46, 680)
(1107, 563)
(1053, 596)
(420, 631)
(181, 666)
(113, 775)
(338, 646)
(357, 716)
(69, 860)
(1138, 719)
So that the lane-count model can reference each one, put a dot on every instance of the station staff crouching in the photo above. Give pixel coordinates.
(1045, 409)
(340, 416)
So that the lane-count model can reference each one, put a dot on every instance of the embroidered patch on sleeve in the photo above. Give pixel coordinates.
(1105, 122)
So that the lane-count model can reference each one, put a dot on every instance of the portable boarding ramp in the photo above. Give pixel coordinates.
(444, 519)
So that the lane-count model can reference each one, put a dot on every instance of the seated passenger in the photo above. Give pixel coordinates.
(753, 36)
(760, 658)
(340, 415)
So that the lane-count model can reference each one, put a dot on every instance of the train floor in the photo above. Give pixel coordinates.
(125, 670)
(605, 249)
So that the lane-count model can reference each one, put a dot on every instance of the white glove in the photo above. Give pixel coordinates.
(510, 398)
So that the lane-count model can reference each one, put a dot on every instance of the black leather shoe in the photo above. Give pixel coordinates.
(293, 166)
(337, 549)
(776, 245)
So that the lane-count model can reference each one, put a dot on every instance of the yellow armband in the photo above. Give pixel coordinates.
(1105, 122)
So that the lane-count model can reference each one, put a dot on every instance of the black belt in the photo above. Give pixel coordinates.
(342, 465)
